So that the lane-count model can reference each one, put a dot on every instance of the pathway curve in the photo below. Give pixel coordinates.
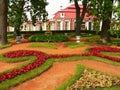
(60, 71)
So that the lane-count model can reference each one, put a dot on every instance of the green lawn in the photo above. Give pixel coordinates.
(44, 45)
(76, 45)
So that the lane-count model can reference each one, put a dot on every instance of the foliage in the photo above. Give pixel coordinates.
(115, 42)
(112, 53)
(44, 45)
(5, 46)
(38, 10)
(94, 38)
(70, 81)
(11, 60)
(95, 51)
(91, 79)
(48, 38)
(96, 25)
(115, 28)
(115, 33)
(40, 59)
(17, 12)
(117, 10)
(80, 15)
(75, 44)
(40, 63)
(23, 77)
(101, 8)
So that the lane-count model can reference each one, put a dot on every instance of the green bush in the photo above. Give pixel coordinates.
(115, 33)
(48, 38)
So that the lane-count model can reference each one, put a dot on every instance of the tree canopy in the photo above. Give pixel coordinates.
(17, 11)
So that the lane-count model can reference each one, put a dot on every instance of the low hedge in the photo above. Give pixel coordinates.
(48, 38)
(79, 70)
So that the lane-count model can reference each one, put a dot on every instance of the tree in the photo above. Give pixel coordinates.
(103, 9)
(3, 22)
(17, 12)
(80, 15)
(117, 10)
(105, 36)
(38, 10)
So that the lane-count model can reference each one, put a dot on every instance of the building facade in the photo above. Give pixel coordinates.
(64, 19)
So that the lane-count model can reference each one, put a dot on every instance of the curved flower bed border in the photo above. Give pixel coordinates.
(41, 58)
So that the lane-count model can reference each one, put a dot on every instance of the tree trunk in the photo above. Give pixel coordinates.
(105, 35)
(77, 23)
(79, 18)
(16, 32)
(3, 22)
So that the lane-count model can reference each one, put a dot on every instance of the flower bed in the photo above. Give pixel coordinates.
(92, 79)
(41, 58)
(96, 52)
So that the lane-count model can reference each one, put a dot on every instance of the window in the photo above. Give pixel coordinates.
(66, 25)
(83, 26)
(62, 15)
(58, 25)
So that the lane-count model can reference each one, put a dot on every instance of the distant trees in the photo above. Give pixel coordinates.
(17, 12)
(12, 12)
(3, 22)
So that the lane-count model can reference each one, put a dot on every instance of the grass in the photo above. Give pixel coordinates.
(5, 46)
(29, 59)
(24, 77)
(11, 60)
(45, 45)
(96, 39)
(111, 53)
(76, 58)
(75, 44)
(70, 81)
(37, 71)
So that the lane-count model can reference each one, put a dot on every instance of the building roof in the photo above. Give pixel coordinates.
(70, 12)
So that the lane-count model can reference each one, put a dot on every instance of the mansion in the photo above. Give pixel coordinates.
(64, 19)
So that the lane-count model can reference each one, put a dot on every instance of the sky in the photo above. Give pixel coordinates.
(55, 5)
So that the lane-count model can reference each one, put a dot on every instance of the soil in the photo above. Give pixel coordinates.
(60, 71)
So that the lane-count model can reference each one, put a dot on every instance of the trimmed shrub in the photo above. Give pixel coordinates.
(48, 38)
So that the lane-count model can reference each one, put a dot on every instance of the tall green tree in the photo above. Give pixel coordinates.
(38, 10)
(80, 15)
(105, 35)
(17, 12)
(3, 22)
(103, 9)
(117, 10)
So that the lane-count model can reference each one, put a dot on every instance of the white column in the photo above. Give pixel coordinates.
(61, 25)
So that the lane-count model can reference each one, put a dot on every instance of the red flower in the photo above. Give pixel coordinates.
(41, 57)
